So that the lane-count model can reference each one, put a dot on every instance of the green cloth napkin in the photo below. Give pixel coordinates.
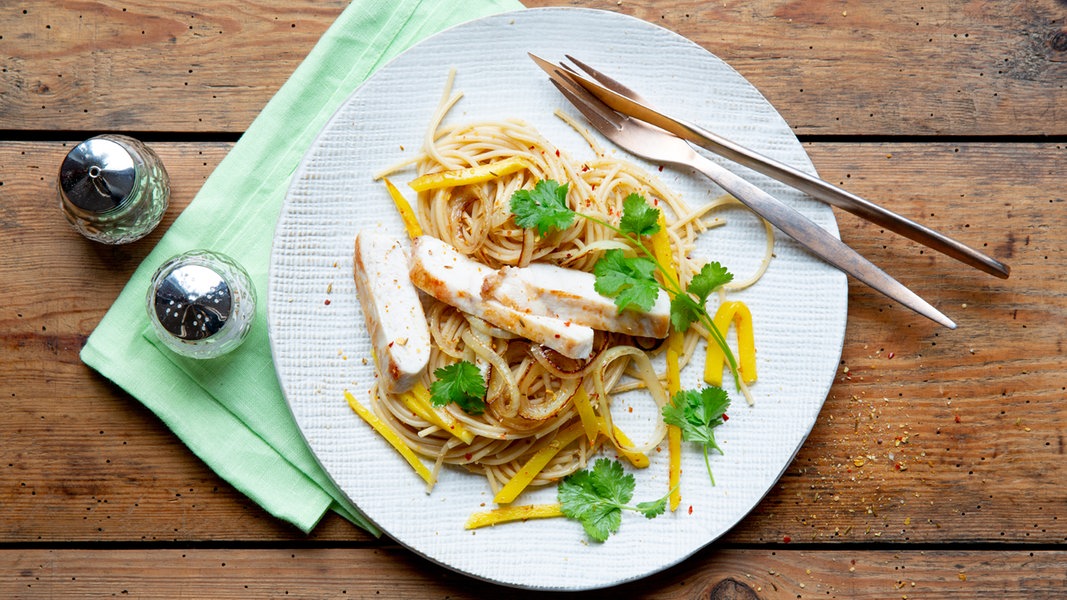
(230, 411)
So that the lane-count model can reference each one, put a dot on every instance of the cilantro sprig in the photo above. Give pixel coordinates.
(460, 382)
(697, 413)
(544, 207)
(630, 280)
(596, 498)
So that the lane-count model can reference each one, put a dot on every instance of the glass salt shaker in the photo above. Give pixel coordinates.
(201, 304)
(113, 189)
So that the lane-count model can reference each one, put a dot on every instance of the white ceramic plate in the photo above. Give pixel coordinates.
(322, 349)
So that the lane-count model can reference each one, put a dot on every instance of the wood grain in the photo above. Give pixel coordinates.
(963, 67)
(395, 574)
(936, 468)
(927, 434)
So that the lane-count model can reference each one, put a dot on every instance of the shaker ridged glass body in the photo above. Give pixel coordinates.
(113, 189)
(201, 304)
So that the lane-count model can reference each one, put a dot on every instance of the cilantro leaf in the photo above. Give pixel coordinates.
(610, 480)
(596, 498)
(627, 280)
(711, 276)
(544, 207)
(684, 311)
(638, 217)
(697, 413)
(461, 383)
(652, 509)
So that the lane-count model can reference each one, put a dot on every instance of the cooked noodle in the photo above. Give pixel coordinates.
(530, 387)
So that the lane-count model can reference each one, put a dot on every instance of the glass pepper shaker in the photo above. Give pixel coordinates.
(201, 304)
(113, 189)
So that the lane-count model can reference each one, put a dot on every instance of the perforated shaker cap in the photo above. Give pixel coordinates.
(193, 302)
(97, 175)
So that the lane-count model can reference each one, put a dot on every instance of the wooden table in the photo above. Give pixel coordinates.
(936, 468)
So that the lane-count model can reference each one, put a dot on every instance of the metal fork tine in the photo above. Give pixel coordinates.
(597, 115)
(604, 80)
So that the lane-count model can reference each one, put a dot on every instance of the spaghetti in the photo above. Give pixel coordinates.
(531, 389)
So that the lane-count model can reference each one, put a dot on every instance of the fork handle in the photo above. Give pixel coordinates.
(815, 238)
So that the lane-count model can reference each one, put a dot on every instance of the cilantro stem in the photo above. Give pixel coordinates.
(707, 464)
(673, 287)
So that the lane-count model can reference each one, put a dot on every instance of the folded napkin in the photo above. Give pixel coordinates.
(230, 411)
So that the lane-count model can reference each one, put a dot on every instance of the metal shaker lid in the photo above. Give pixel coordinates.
(193, 302)
(97, 175)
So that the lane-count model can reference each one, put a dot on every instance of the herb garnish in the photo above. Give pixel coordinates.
(597, 497)
(462, 383)
(544, 207)
(697, 413)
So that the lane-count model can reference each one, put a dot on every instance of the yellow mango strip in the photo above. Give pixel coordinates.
(390, 436)
(621, 441)
(674, 433)
(507, 514)
(661, 249)
(470, 175)
(586, 413)
(411, 222)
(537, 463)
(637, 459)
(736, 312)
(419, 398)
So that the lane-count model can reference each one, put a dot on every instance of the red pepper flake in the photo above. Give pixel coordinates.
(690, 509)
(557, 152)
(892, 354)
(958, 419)
(327, 302)
(468, 456)
(786, 539)
(897, 466)
(629, 409)
(725, 417)
(661, 168)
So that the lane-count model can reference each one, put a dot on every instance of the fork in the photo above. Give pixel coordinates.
(657, 145)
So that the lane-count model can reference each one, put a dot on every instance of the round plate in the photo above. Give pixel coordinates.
(321, 347)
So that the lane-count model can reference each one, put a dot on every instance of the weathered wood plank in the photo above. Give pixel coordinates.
(112, 66)
(888, 68)
(874, 68)
(397, 574)
(928, 435)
